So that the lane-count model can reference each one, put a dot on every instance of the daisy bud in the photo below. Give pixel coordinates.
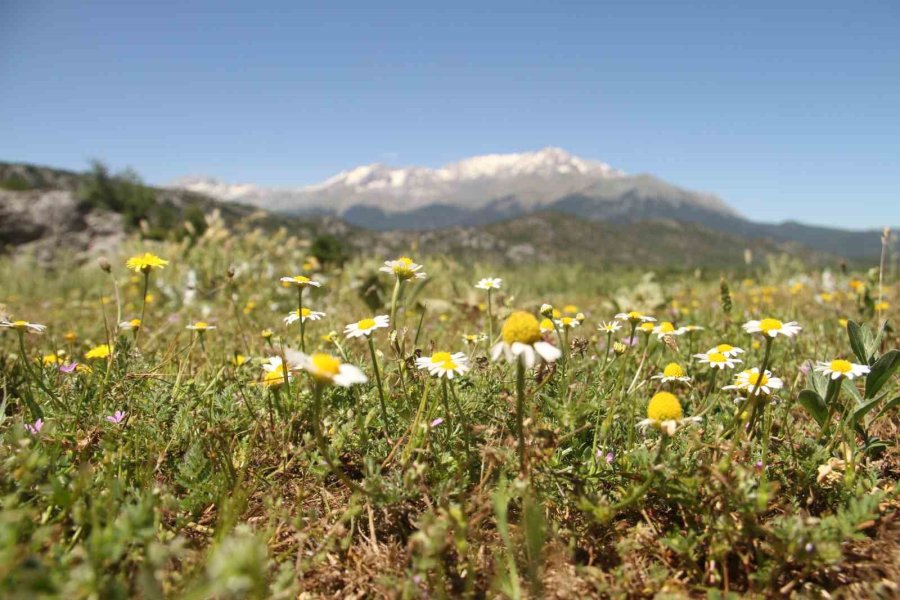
(619, 348)
(103, 262)
(546, 310)
(580, 317)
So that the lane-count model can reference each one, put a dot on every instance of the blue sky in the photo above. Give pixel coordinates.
(788, 110)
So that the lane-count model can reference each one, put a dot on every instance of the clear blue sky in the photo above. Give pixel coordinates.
(785, 109)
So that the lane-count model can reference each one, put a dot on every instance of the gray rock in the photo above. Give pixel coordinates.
(50, 223)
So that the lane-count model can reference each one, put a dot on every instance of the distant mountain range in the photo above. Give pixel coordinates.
(482, 190)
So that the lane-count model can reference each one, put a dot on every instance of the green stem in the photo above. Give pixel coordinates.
(520, 415)
(490, 318)
(300, 315)
(394, 297)
(143, 307)
(384, 413)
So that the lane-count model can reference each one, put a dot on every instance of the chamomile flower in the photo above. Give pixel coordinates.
(473, 338)
(144, 263)
(747, 381)
(716, 360)
(327, 369)
(634, 317)
(839, 368)
(772, 327)
(366, 327)
(727, 350)
(200, 326)
(132, 325)
(689, 329)
(403, 268)
(489, 283)
(301, 281)
(568, 322)
(23, 326)
(444, 364)
(303, 315)
(97, 352)
(547, 326)
(609, 326)
(521, 341)
(274, 372)
(666, 328)
(664, 413)
(673, 372)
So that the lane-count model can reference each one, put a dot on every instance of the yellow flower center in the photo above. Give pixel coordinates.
(646, 327)
(567, 321)
(635, 315)
(201, 325)
(325, 366)
(546, 325)
(274, 377)
(673, 370)
(767, 325)
(723, 348)
(666, 327)
(445, 359)
(716, 357)
(135, 323)
(754, 378)
(841, 366)
(366, 324)
(664, 407)
(20, 324)
(521, 327)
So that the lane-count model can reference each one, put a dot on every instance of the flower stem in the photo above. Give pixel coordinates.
(490, 318)
(394, 297)
(300, 315)
(384, 413)
(520, 416)
(323, 446)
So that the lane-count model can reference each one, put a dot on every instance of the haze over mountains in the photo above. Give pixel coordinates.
(486, 189)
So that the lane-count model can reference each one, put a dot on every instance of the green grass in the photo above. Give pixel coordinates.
(215, 486)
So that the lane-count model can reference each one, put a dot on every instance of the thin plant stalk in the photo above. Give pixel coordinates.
(384, 413)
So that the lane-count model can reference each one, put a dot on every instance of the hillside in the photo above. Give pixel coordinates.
(50, 209)
(486, 189)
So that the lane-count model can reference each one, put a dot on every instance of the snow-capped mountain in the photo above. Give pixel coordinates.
(475, 190)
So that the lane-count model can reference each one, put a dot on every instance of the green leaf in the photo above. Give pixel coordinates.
(863, 409)
(859, 336)
(819, 383)
(814, 404)
(850, 388)
(881, 372)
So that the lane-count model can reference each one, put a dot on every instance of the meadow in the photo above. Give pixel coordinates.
(232, 417)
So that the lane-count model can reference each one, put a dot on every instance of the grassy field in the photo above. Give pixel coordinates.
(153, 445)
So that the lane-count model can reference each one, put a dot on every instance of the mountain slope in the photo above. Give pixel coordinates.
(493, 188)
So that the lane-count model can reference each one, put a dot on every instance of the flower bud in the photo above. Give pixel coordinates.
(104, 264)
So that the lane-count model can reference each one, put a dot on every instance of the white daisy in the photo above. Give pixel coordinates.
(200, 326)
(717, 360)
(665, 414)
(747, 381)
(366, 327)
(842, 368)
(666, 328)
(609, 326)
(568, 322)
(727, 349)
(403, 268)
(326, 368)
(521, 341)
(23, 326)
(772, 327)
(444, 364)
(634, 317)
(274, 372)
(673, 372)
(305, 314)
(300, 281)
(489, 283)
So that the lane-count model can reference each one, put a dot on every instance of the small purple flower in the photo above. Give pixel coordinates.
(630, 341)
(805, 368)
(35, 428)
(436, 422)
(68, 367)
(117, 417)
(758, 465)
(610, 457)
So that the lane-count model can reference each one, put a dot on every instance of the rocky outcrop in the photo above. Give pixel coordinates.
(46, 223)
